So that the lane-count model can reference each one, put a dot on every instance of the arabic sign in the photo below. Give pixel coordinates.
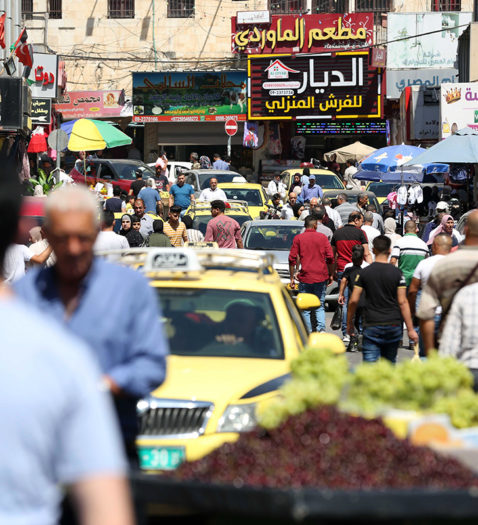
(458, 107)
(253, 17)
(91, 104)
(437, 49)
(41, 111)
(327, 86)
(420, 118)
(43, 78)
(189, 96)
(341, 127)
(398, 80)
(308, 33)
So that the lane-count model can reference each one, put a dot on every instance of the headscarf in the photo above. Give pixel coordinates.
(205, 162)
(440, 229)
(390, 226)
(122, 231)
(134, 238)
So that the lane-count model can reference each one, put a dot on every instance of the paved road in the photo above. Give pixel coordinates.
(355, 358)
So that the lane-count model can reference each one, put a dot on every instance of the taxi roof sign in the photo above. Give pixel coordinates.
(171, 259)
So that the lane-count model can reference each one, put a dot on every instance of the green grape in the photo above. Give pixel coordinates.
(462, 408)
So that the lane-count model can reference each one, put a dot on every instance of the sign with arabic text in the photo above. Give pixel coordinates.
(458, 107)
(302, 34)
(337, 85)
(399, 79)
(189, 96)
(41, 111)
(43, 78)
(436, 47)
(341, 127)
(91, 104)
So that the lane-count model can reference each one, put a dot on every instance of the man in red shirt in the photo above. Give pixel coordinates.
(223, 229)
(316, 267)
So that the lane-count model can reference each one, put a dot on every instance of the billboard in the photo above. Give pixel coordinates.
(306, 33)
(398, 80)
(458, 107)
(91, 104)
(189, 96)
(337, 85)
(436, 49)
(43, 77)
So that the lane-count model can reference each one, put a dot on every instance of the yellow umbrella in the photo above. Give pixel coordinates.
(94, 135)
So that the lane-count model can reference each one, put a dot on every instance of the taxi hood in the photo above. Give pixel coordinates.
(218, 379)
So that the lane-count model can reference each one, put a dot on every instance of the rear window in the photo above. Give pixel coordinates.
(221, 177)
(328, 181)
(128, 171)
(200, 221)
(220, 323)
(252, 197)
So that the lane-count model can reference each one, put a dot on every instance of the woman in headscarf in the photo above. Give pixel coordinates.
(296, 186)
(205, 162)
(134, 238)
(447, 225)
(390, 227)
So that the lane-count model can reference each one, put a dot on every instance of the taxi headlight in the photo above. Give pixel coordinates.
(238, 418)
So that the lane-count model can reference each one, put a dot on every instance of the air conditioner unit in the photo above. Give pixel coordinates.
(15, 105)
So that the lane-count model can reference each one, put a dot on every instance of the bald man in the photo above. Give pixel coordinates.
(441, 246)
(446, 279)
(287, 211)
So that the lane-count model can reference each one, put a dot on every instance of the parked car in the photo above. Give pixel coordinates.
(175, 167)
(352, 197)
(199, 179)
(200, 213)
(253, 194)
(324, 178)
(119, 172)
(275, 237)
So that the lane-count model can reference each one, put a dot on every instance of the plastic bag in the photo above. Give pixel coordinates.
(336, 322)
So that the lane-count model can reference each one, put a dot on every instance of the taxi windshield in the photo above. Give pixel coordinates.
(220, 323)
(252, 197)
(382, 189)
(200, 221)
(272, 237)
(221, 177)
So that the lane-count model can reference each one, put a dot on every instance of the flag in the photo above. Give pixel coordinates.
(24, 53)
(21, 38)
(2, 30)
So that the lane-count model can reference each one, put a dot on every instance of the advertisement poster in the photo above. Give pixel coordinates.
(189, 96)
(438, 49)
(43, 78)
(307, 33)
(398, 80)
(458, 107)
(91, 104)
(327, 86)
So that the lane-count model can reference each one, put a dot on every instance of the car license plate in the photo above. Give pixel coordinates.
(161, 458)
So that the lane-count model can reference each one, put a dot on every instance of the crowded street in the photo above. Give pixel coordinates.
(238, 262)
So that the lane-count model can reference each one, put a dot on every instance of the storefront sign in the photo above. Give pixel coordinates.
(189, 96)
(398, 80)
(327, 86)
(436, 49)
(91, 104)
(340, 127)
(458, 107)
(307, 33)
(41, 111)
(43, 78)
(253, 17)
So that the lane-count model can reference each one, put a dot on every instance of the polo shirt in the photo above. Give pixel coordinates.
(344, 240)
(175, 235)
(409, 250)
(150, 197)
(182, 195)
(315, 253)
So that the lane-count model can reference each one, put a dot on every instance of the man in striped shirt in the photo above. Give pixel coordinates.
(175, 230)
(409, 251)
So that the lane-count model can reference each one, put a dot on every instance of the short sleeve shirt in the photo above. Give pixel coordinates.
(14, 264)
(162, 183)
(182, 195)
(344, 240)
(380, 281)
(175, 235)
(136, 186)
(224, 230)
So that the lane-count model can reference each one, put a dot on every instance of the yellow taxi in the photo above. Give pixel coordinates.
(253, 194)
(382, 189)
(233, 330)
(200, 213)
(324, 178)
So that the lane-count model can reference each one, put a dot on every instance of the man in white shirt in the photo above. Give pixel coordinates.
(332, 213)
(107, 239)
(15, 258)
(367, 227)
(287, 212)
(277, 186)
(213, 193)
(349, 181)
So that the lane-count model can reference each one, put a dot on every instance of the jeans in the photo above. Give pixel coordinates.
(319, 290)
(381, 341)
(344, 307)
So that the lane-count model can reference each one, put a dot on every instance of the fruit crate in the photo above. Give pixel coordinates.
(228, 504)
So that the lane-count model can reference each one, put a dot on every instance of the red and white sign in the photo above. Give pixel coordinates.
(231, 127)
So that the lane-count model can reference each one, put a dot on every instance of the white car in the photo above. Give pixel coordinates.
(174, 168)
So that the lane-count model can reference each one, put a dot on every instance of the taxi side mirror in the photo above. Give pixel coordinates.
(306, 301)
(324, 340)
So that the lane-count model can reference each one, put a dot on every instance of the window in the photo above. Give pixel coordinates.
(446, 5)
(329, 6)
(54, 9)
(180, 8)
(120, 8)
(27, 9)
(376, 6)
(286, 7)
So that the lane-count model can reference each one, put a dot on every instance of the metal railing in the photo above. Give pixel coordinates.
(446, 5)
(279, 7)
(120, 8)
(54, 9)
(27, 9)
(330, 6)
(180, 8)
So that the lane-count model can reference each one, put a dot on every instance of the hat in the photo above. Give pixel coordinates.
(312, 177)
(442, 205)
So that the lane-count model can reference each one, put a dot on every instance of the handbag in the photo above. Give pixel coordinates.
(336, 322)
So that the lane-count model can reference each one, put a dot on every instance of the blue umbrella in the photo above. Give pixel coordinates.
(67, 126)
(429, 173)
(390, 158)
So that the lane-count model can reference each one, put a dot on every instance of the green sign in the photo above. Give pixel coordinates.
(161, 458)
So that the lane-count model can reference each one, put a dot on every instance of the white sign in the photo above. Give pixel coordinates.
(438, 49)
(253, 17)
(458, 107)
(399, 79)
(44, 75)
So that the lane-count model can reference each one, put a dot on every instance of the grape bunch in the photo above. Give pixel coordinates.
(325, 448)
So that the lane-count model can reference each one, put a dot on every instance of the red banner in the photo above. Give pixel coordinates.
(91, 104)
(304, 34)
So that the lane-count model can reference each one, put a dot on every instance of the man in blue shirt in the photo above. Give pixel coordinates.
(181, 194)
(312, 190)
(219, 164)
(150, 196)
(110, 307)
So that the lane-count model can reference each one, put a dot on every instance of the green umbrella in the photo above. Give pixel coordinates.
(94, 135)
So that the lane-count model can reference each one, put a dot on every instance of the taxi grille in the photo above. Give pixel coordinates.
(162, 418)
